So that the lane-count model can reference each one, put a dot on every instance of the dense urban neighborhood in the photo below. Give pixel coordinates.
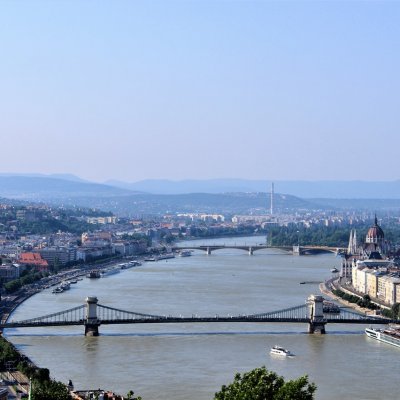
(43, 245)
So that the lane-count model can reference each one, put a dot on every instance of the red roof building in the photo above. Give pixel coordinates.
(33, 259)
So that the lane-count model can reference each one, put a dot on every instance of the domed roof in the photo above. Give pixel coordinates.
(375, 232)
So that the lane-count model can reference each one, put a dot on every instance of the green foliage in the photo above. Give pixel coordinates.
(26, 279)
(43, 388)
(49, 389)
(321, 235)
(12, 286)
(261, 384)
(7, 353)
(131, 396)
(45, 220)
(393, 313)
(364, 301)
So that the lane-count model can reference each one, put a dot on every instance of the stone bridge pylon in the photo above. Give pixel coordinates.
(316, 313)
(92, 322)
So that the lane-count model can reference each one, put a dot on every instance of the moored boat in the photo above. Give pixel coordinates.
(94, 274)
(166, 256)
(109, 271)
(65, 285)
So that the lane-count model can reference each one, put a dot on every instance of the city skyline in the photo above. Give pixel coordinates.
(200, 90)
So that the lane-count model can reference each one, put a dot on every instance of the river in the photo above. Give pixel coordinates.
(193, 361)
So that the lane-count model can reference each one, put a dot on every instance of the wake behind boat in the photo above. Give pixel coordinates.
(280, 351)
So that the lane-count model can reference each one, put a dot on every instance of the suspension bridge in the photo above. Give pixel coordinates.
(91, 315)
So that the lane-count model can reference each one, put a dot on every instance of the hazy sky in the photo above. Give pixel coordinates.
(132, 90)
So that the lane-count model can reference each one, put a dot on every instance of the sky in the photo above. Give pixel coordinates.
(134, 90)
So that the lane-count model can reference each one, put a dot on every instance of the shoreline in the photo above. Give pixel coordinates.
(326, 291)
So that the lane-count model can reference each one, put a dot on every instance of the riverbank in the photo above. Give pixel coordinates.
(331, 284)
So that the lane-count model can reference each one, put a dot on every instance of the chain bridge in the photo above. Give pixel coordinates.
(91, 315)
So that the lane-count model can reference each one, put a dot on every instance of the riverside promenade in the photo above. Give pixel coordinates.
(331, 284)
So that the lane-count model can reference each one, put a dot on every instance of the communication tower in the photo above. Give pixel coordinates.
(272, 198)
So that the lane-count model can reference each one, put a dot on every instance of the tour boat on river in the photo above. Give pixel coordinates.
(280, 351)
(389, 335)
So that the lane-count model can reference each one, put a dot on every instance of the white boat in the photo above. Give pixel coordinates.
(280, 351)
(334, 270)
(389, 336)
(65, 285)
(185, 253)
(166, 256)
(58, 289)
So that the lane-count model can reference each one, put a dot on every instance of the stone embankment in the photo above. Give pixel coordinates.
(331, 284)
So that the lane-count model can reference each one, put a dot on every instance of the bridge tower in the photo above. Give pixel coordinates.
(317, 320)
(92, 323)
(296, 250)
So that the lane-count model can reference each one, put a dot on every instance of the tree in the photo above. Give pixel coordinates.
(49, 390)
(261, 384)
(130, 396)
(396, 311)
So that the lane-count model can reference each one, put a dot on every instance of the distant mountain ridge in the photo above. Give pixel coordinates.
(218, 195)
(303, 189)
(44, 188)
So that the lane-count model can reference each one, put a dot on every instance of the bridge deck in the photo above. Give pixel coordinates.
(178, 320)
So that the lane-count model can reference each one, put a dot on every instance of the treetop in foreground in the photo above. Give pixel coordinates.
(261, 384)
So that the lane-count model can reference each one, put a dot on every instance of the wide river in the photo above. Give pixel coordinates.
(193, 361)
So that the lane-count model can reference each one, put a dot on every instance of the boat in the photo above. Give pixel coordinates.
(94, 274)
(166, 256)
(58, 289)
(65, 285)
(280, 351)
(130, 264)
(389, 336)
(334, 270)
(150, 259)
(135, 263)
(109, 271)
(185, 253)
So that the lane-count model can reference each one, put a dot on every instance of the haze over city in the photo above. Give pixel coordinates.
(177, 90)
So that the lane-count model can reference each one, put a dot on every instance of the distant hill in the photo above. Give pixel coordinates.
(67, 177)
(223, 196)
(47, 188)
(303, 189)
(227, 203)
